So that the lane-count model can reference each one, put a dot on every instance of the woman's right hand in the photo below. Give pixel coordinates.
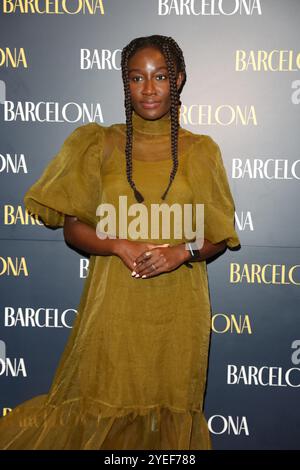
(129, 250)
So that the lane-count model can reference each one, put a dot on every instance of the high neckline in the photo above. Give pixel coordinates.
(161, 126)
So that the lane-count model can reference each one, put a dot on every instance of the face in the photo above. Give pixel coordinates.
(149, 83)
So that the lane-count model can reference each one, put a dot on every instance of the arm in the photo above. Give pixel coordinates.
(160, 260)
(84, 237)
(207, 251)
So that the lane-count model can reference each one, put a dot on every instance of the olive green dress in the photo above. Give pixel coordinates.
(133, 373)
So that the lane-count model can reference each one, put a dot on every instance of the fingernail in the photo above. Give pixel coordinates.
(137, 275)
(133, 273)
(144, 275)
(134, 264)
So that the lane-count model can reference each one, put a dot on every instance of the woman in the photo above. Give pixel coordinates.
(133, 373)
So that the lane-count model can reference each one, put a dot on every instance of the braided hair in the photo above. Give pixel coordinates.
(172, 52)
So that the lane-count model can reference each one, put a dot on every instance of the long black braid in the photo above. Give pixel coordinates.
(172, 52)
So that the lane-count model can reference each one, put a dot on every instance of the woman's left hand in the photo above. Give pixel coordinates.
(163, 258)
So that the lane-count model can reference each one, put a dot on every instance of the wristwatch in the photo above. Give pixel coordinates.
(194, 252)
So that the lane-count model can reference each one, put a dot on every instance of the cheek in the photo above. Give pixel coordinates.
(164, 89)
(131, 87)
(135, 90)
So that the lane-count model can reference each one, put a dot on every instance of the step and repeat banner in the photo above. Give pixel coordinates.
(60, 69)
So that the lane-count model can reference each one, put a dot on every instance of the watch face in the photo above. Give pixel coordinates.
(196, 253)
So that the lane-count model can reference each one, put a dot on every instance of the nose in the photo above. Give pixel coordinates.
(149, 87)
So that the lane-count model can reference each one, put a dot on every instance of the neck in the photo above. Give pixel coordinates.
(160, 126)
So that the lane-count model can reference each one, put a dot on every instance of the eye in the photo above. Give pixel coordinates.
(135, 78)
(164, 77)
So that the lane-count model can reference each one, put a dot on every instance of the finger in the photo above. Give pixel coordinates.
(153, 272)
(153, 245)
(144, 256)
(148, 253)
(146, 266)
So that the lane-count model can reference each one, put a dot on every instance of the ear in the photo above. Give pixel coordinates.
(179, 79)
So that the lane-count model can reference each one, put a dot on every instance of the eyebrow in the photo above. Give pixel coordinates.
(139, 70)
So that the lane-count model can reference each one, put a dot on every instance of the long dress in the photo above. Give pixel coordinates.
(133, 372)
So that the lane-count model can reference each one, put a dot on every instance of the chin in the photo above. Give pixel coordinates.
(151, 113)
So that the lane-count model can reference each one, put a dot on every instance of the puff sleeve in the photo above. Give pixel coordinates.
(208, 179)
(71, 183)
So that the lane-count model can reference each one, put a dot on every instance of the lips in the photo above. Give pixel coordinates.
(150, 104)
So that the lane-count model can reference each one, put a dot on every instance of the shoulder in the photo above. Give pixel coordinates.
(107, 136)
(92, 135)
(204, 149)
(95, 128)
(86, 133)
(105, 131)
(203, 140)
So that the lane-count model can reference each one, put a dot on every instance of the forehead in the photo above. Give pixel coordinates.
(146, 56)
